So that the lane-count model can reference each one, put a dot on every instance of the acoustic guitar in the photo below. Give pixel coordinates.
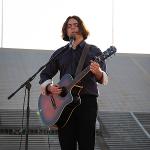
(55, 110)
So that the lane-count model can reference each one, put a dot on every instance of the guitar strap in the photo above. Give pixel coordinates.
(82, 58)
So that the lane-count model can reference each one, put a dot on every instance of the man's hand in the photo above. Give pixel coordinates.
(54, 89)
(96, 70)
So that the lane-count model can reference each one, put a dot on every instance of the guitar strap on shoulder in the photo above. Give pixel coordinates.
(82, 58)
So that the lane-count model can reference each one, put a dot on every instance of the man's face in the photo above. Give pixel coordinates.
(72, 28)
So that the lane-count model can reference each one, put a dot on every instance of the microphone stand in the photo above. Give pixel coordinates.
(27, 85)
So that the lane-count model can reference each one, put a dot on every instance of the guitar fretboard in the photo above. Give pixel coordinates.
(110, 51)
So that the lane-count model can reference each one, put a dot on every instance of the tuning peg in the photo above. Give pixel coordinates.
(113, 48)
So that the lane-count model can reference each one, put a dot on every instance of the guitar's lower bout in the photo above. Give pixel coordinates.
(56, 111)
(67, 112)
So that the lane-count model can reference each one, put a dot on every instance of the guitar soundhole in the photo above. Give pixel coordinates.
(64, 92)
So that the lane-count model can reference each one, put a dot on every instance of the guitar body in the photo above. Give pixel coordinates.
(56, 110)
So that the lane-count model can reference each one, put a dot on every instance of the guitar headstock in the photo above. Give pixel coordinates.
(109, 52)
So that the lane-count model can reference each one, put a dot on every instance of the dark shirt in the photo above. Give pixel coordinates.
(66, 61)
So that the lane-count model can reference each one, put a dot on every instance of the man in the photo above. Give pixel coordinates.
(80, 128)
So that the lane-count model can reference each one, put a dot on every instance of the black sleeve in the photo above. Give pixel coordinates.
(50, 71)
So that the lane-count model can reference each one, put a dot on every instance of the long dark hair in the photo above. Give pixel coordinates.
(81, 26)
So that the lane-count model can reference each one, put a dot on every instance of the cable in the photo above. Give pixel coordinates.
(49, 138)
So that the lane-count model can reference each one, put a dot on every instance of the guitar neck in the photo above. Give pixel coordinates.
(110, 51)
(79, 77)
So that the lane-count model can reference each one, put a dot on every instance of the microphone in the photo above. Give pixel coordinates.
(71, 39)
